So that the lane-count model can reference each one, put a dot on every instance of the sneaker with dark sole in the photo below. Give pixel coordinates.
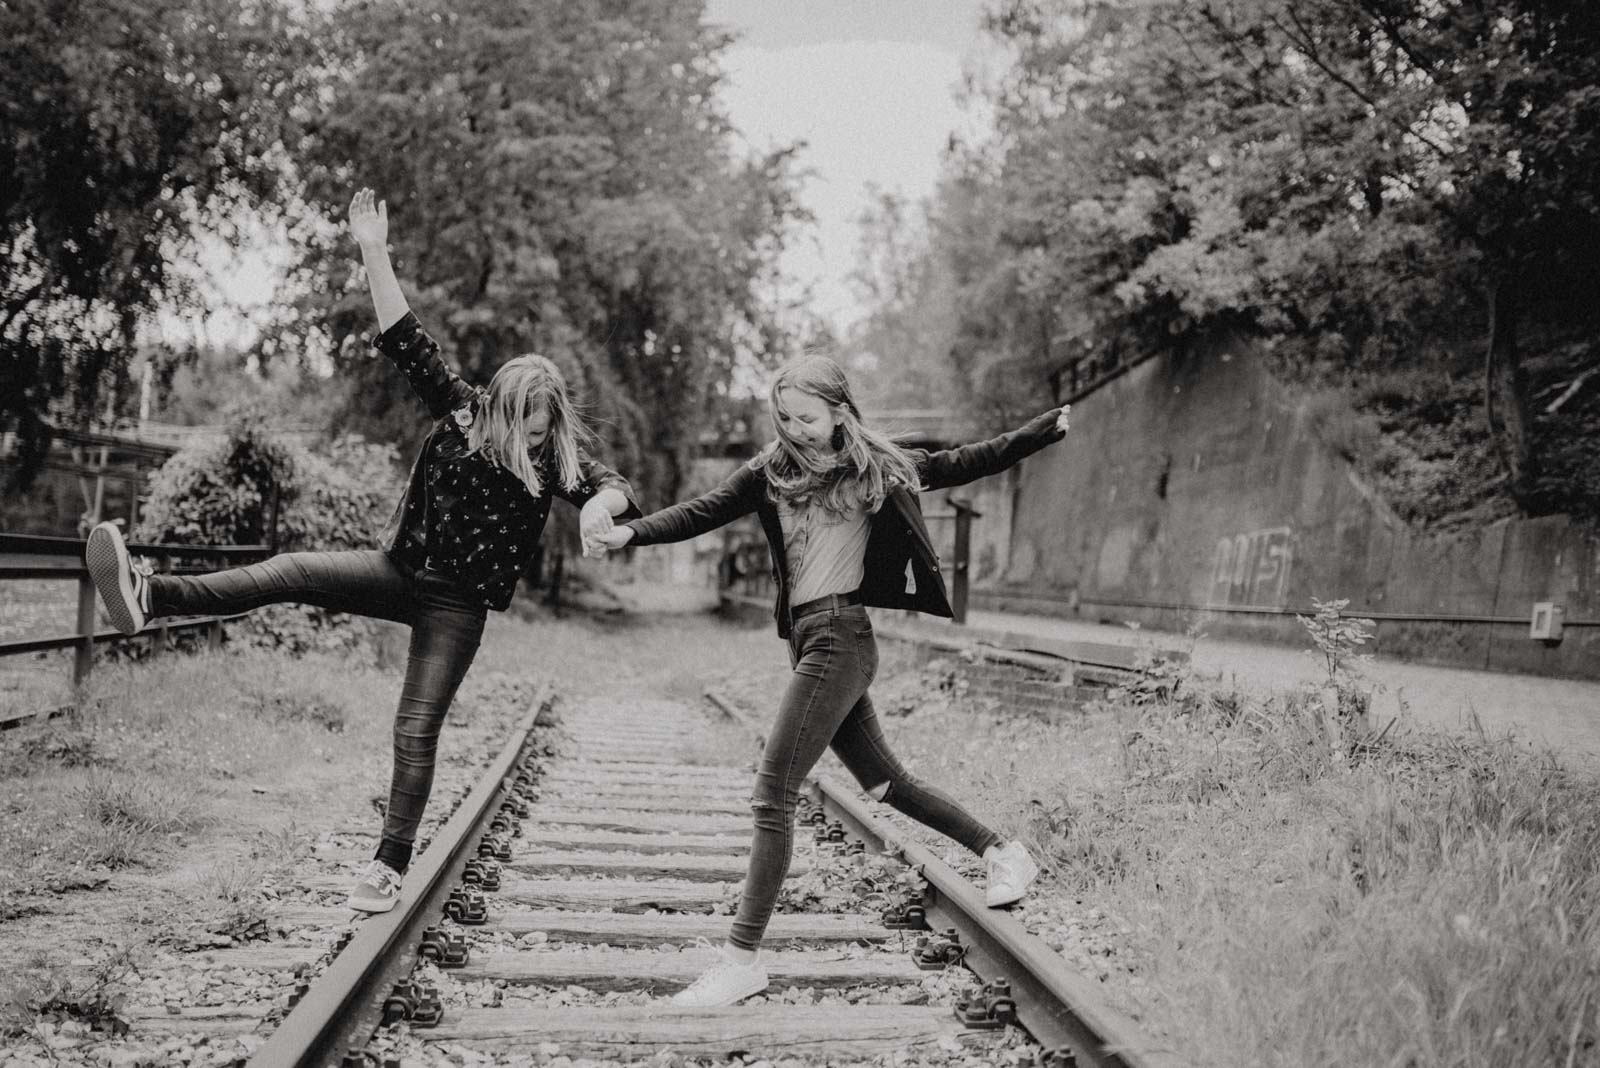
(124, 590)
(376, 890)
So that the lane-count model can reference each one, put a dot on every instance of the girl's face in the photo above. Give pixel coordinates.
(537, 425)
(807, 419)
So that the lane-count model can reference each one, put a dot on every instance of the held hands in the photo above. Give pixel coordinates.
(593, 522)
(369, 219)
(1061, 420)
(614, 538)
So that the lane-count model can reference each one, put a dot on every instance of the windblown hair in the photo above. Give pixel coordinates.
(518, 390)
(868, 465)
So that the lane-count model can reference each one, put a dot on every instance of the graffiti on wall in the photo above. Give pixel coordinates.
(1252, 568)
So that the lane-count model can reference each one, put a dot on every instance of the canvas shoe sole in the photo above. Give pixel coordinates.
(112, 570)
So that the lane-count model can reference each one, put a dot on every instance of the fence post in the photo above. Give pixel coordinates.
(83, 656)
(158, 642)
(959, 567)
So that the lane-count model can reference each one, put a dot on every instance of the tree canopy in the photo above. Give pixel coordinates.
(560, 178)
(1367, 187)
(124, 126)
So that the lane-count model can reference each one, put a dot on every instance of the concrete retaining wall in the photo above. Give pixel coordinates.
(1196, 480)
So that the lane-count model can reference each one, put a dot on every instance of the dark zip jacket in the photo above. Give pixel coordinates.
(897, 536)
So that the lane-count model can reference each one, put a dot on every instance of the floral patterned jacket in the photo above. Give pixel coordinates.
(462, 515)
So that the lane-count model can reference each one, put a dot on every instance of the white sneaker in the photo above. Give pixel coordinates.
(123, 588)
(1011, 869)
(376, 889)
(724, 983)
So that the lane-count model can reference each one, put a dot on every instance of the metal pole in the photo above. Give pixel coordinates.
(960, 567)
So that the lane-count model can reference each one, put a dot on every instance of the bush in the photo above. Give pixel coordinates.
(334, 498)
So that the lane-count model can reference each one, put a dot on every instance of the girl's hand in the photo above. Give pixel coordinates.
(616, 537)
(369, 222)
(1061, 420)
(593, 521)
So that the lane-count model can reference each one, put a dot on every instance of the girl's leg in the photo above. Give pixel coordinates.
(832, 666)
(363, 582)
(444, 639)
(860, 744)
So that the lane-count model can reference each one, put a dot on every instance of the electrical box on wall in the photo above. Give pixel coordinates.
(1546, 625)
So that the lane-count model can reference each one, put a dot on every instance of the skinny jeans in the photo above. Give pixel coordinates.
(446, 625)
(833, 657)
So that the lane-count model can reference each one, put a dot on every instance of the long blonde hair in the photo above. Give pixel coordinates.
(868, 465)
(500, 433)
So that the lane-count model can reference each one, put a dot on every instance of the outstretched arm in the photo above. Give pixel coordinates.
(738, 495)
(955, 467)
(369, 225)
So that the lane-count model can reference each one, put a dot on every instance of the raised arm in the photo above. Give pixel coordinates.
(737, 495)
(401, 338)
(369, 225)
(955, 467)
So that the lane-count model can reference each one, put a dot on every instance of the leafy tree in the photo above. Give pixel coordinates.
(124, 124)
(560, 179)
(1368, 187)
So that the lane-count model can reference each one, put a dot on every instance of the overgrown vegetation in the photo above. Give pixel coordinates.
(1263, 897)
(231, 491)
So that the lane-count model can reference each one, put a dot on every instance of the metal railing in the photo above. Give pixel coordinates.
(26, 556)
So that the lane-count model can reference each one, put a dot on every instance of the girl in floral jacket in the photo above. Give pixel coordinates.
(472, 513)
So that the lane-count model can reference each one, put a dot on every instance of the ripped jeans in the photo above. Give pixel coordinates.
(834, 656)
(446, 624)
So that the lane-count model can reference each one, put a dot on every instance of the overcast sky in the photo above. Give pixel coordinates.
(869, 85)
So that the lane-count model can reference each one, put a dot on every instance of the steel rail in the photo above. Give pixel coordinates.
(344, 1005)
(1058, 1007)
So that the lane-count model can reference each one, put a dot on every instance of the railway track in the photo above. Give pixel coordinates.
(577, 887)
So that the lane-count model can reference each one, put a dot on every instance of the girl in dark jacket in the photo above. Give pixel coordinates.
(838, 503)
(472, 513)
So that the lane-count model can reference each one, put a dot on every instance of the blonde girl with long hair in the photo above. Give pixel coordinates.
(471, 515)
(838, 503)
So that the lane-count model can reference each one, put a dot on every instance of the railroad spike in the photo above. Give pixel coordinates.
(446, 948)
(482, 874)
(989, 1007)
(937, 954)
(466, 907)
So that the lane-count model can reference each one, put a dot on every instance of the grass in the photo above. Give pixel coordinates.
(1431, 900)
